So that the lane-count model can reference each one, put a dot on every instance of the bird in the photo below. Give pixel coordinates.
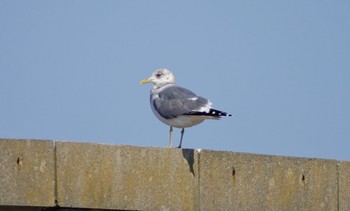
(177, 106)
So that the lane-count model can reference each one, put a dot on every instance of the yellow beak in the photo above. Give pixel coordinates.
(144, 81)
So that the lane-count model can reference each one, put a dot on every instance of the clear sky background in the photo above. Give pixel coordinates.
(70, 70)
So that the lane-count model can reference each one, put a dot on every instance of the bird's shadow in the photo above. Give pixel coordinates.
(188, 154)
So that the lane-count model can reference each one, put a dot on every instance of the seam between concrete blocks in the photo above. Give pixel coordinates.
(199, 179)
(55, 174)
(338, 187)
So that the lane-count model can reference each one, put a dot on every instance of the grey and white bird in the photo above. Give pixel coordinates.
(177, 106)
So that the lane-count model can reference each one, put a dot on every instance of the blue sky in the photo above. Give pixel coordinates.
(70, 70)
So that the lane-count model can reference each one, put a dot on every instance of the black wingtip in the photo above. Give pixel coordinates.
(218, 113)
(212, 112)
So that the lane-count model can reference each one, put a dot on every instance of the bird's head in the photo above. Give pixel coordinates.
(160, 77)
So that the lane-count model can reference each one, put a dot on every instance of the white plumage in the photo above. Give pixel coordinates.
(177, 106)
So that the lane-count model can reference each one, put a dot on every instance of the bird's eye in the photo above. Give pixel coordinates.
(158, 75)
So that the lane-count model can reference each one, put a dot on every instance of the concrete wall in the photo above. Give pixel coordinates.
(37, 173)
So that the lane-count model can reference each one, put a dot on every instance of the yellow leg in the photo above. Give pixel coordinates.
(171, 140)
(182, 135)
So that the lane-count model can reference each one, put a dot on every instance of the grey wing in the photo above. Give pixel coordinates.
(175, 101)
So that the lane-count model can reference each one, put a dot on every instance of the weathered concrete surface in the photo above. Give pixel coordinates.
(344, 185)
(26, 172)
(236, 181)
(33, 174)
(126, 177)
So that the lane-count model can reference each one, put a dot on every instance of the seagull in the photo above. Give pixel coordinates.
(177, 106)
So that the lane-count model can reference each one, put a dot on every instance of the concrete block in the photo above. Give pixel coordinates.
(344, 185)
(27, 172)
(125, 177)
(238, 181)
